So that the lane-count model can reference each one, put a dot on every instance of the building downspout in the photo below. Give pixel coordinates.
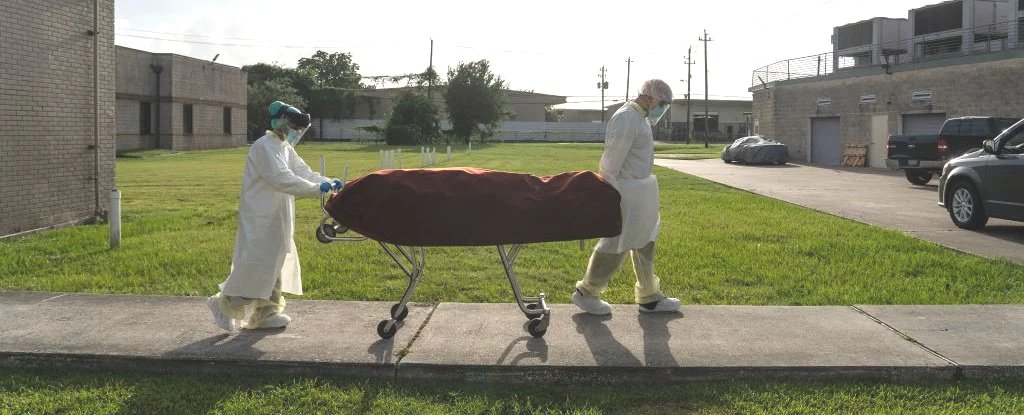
(157, 69)
(96, 101)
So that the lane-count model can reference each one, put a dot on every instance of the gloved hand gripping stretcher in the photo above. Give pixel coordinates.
(406, 210)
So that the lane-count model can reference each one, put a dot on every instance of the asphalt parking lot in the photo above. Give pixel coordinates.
(873, 196)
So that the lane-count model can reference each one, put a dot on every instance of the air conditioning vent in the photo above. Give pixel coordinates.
(868, 99)
(921, 97)
(824, 102)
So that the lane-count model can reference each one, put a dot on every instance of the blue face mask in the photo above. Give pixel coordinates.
(294, 136)
(655, 114)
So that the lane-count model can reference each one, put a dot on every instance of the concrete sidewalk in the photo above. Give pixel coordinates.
(488, 342)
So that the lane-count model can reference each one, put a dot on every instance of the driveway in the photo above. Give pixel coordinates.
(876, 197)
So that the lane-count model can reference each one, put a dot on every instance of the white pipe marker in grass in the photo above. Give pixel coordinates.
(382, 159)
(323, 166)
(114, 218)
(449, 154)
(399, 158)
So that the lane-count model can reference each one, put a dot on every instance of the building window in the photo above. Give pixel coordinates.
(186, 118)
(1020, 4)
(699, 121)
(145, 118)
(227, 120)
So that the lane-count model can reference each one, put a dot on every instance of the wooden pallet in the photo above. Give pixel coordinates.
(854, 155)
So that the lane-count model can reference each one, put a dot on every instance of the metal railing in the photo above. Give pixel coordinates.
(932, 46)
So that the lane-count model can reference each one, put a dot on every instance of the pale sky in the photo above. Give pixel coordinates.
(552, 47)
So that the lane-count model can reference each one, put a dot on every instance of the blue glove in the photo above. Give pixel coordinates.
(325, 187)
(337, 184)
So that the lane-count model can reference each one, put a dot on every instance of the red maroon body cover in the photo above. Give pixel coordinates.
(474, 207)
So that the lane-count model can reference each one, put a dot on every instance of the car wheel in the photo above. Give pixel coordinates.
(727, 161)
(918, 177)
(964, 206)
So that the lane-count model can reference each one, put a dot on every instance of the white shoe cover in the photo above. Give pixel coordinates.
(275, 321)
(219, 318)
(664, 306)
(591, 305)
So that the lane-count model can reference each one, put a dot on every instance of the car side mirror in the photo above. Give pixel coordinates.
(990, 146)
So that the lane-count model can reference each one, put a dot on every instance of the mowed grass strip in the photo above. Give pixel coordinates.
(717, 246)
(97, 393)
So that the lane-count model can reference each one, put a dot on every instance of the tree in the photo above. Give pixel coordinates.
(552, 114)
(413, 120)
(475, 100)
(260, 97)
(334, 70)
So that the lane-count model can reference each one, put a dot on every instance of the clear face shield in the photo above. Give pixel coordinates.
(654, 114)
(298, 123)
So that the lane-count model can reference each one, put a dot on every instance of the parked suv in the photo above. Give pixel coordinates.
(986, 183)
(921, 156)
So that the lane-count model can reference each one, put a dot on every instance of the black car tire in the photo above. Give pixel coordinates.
(918, 177)
(727, 161)
(963, 200)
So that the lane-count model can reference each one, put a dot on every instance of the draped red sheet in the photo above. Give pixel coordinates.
(475, 207)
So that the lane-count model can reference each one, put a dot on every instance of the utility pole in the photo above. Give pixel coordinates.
(603, 85)
(707, 117)
(430, 81)
(689, 79)
(629, 62)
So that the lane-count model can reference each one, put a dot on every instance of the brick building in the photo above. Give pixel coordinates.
(895, 76)
(57, 110)
(177, 102)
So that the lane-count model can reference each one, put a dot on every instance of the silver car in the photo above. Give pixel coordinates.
(986, 183)
(755, 150)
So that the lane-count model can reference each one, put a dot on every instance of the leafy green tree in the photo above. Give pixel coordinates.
(260, 97)
(413, 120)
(475, 100)
(552, 114)
(334, 70)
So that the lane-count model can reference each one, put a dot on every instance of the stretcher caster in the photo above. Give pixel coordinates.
(384, 332)
(533, 310)
(326, 231)
(537, 327)
(400, 316)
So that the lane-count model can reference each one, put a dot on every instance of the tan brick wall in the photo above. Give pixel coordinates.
(207, 86)
(971, 86)
(47, 101)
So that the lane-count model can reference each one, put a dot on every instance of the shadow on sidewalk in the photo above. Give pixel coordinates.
(657, 351)
(237, 346)
(606, 350)
(536, 348)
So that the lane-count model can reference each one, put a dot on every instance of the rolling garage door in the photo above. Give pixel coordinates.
(920, 124)
(826, 146)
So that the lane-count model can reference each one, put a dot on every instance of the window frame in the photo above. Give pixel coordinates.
(188, 119)
(145, 118)
(227, 120)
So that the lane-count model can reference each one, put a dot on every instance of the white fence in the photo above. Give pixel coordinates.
(353, 130)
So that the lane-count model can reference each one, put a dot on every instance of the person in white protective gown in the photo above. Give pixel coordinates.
(626, 164)
(265, 263)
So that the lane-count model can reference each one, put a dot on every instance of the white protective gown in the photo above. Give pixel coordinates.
(626, 164)
(264, 245)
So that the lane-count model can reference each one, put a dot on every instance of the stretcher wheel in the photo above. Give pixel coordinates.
(322, 233)
(534, 327)
(399, 317)
(383, 332)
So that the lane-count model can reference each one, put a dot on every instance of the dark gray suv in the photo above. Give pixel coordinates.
(986, 183)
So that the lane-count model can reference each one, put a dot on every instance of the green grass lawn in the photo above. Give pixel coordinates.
(718, 245)
(51, 392)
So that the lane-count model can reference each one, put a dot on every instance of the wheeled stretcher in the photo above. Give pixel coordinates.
(406, 210)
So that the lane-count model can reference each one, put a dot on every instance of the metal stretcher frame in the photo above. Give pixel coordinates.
(410, 259)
